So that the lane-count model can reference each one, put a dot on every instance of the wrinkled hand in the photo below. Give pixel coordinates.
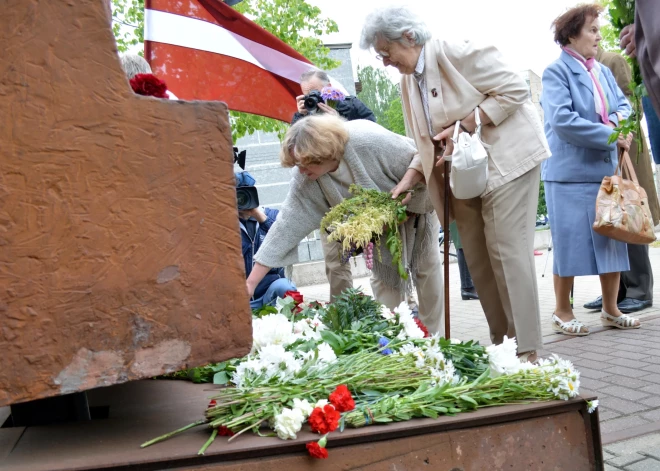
(624, 141)
(300, 101)
(445, 139)
(328, 109)
(627, 38)
(409, 180)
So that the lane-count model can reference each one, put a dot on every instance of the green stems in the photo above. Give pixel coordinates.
(208, 442)
(171, 434)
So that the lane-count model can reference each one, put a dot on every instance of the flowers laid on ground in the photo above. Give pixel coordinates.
(360, 222)
(355, 363)
(332, 96)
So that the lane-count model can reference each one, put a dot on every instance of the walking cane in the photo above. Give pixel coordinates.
(445, 228)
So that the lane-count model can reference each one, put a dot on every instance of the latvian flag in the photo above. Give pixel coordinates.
(205, 50)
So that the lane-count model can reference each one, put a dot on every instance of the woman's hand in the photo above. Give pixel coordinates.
(409, 180)
(623, 142)
(445, 140)
(250, 288)
(256, 275)
(328, 109)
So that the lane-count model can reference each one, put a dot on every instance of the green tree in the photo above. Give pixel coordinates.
(378, 92)
(541, 208)
(394, 115)
(383, 97)
(295, 22)
(128, 23)
(610, 40)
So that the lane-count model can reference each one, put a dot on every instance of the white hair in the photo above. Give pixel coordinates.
(134, 64)
(392, 23)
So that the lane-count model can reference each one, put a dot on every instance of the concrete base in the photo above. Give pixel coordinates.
(536, 436)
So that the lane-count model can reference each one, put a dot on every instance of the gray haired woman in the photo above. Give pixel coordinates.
(329, 154)
(443, 83)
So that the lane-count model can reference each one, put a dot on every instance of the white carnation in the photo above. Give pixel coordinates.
(303, 406)
(503, 358)
(288, 423)
(326, 353)
(272, 329)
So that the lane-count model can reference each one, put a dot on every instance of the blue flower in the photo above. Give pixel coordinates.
(387, 351)
(383, 341)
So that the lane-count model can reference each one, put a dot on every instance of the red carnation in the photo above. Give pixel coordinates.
(423, 328)
(316, 451)
(149, 85)
(324, 420)
(341, 398)
(213, 403)
(296, 295)
(225, 432)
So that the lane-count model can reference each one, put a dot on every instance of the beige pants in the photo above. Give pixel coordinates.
(497, 232)
(339, 275)
(430, 287)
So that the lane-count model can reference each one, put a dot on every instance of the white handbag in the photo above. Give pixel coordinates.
(469, 162)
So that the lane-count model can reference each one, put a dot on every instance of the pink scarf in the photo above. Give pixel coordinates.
(590, 64)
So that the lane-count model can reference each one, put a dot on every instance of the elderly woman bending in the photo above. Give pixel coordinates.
(330, 154)
(445, 82)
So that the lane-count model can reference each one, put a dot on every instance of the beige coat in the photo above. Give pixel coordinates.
(460, 77)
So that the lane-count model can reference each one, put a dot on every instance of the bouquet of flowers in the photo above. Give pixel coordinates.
(332, 96)
(360, 222)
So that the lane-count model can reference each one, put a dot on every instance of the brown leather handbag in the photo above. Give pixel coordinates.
(622, 207)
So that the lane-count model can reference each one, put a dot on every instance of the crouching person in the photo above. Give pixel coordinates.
(255, 224)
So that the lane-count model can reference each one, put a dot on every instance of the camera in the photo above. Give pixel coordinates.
(247, 197)
(312, 101)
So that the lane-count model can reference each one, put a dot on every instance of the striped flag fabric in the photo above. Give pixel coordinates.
(206, 50)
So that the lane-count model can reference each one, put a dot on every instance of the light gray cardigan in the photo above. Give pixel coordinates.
(377, 159)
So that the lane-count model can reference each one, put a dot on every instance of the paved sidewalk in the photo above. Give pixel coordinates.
(621, 367)
(467, 317)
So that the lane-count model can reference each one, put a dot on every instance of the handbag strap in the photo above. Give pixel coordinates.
(625, 162)
(477, 130)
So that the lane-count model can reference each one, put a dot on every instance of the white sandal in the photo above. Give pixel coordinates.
(572, 327)
(623, 321)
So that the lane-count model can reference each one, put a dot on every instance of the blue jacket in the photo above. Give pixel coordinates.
(250, 247)
(576, 136)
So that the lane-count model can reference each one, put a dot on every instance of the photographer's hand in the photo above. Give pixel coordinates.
(256, 213)
(300, 101)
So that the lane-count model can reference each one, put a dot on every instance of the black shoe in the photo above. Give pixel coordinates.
(468, 295)
(629, 305)
(595, 305)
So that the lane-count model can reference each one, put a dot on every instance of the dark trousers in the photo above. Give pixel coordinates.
(637, 283)
(466, 278)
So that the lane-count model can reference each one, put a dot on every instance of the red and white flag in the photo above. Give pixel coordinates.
(206, 50)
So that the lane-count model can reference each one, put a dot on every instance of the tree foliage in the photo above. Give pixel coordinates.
(377, 92)
(394, 115)
(610, 40)
(621, 14)
(128, 23)
(295, 22)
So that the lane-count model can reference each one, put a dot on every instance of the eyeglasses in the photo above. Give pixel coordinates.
(382, 56)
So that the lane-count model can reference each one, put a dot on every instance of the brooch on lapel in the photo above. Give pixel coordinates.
(434, 92)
